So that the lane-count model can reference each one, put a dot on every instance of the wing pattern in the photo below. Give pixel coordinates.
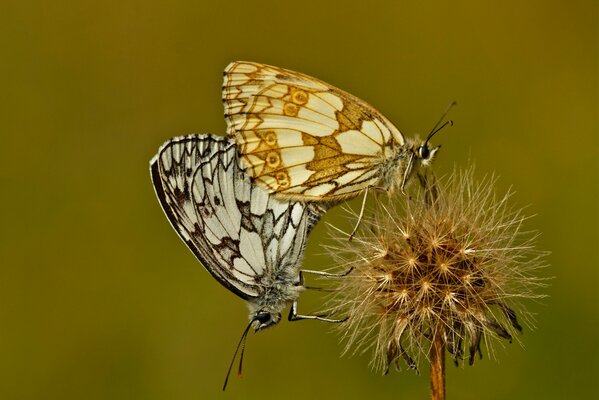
(243, 236)
(302, 138)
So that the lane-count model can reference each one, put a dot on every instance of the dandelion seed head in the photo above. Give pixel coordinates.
(459, 263)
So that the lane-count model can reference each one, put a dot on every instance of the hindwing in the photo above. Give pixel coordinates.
(242, 235)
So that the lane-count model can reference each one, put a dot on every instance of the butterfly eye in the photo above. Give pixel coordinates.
(262, 317)
(424, 152)
(265, 319)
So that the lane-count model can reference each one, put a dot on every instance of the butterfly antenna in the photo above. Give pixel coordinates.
(437, 128)
(241, 345)
(241, 357)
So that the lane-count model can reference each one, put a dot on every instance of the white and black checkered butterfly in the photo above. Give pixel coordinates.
(249, 241)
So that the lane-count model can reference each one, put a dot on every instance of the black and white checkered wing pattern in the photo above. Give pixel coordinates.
(244, 237)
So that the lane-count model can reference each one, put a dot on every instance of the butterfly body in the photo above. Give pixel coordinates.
(249, 241)
(305, 140)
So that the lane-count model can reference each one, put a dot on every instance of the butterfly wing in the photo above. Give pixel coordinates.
(302, 138)
(241, 234)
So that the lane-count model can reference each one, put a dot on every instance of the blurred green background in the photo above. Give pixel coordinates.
(99, 299)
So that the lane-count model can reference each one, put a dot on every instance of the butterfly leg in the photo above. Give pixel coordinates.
(351, 236)
(429, 186)
(320, 273)
(407, 173)
(294, 316)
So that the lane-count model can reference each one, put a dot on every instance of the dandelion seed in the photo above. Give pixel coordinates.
(443, 270)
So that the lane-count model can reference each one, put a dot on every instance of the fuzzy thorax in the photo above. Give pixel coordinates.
(277, 291)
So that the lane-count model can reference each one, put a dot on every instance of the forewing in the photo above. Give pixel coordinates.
(234, 228)
(302, 138)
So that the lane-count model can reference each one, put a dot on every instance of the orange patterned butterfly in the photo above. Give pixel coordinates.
(306, 140)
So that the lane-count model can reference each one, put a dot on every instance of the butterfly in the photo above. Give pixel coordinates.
(306, 140)
(249, 241)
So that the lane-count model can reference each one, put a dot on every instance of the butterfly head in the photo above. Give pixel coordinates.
(417, 155)
(264, 319)
(425, 153)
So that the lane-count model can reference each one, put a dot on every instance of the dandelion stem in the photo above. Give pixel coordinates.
(437, 358)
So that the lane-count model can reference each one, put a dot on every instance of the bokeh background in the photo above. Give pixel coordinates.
(99, 299)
